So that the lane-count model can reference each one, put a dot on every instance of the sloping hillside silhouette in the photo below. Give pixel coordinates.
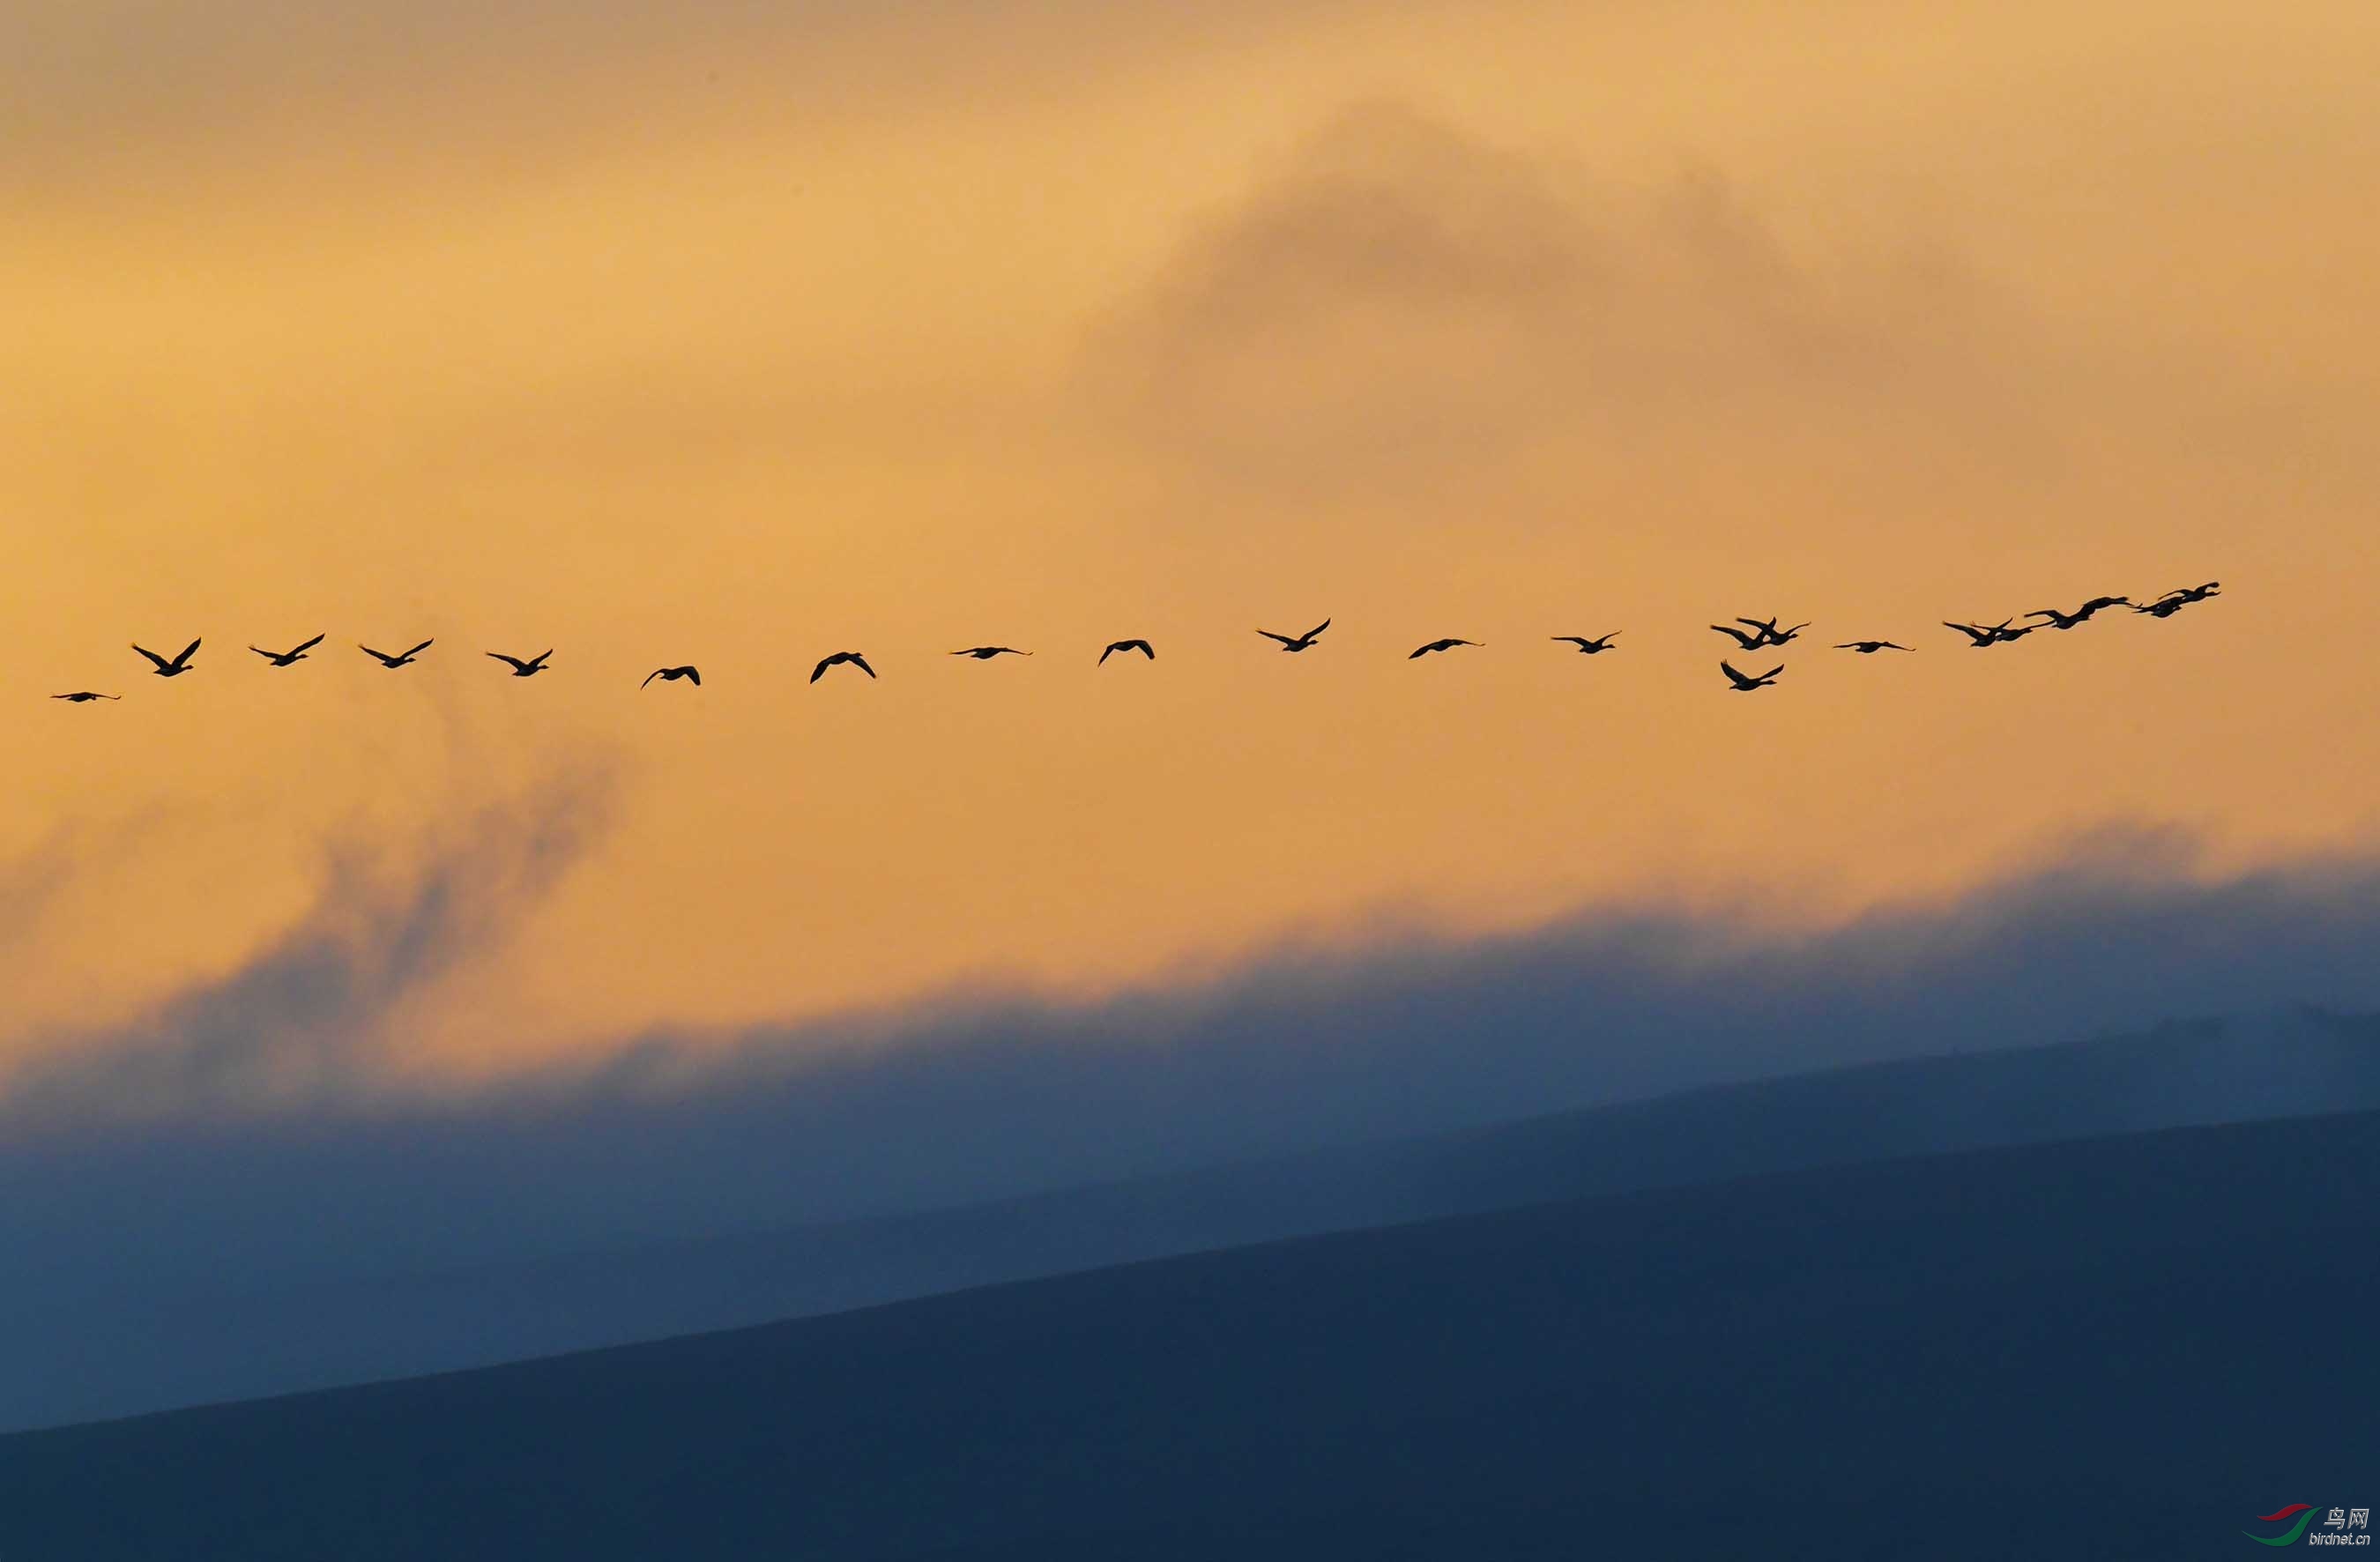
(2119, 1347)
(147, 1349)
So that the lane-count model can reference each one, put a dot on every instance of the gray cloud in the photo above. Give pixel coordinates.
(978, 1097)
(303, 1022)
(1400, 293)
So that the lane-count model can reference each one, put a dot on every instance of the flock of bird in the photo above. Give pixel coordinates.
(1749, 634)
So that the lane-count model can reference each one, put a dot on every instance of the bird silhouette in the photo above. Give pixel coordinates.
(836, 659)
(1990, 634)
(174, 668)
(1302, 641)
(1142, 647)
(1746, 685)
(671, 674)
(1588, 646)
(290, 658)
(1769, 634)
(1445, 644)
(387, 660)
(2080, 615)
(985, 653)
(83, 697)
(1869, 647)
(2165, 606)
(528, 669)
(2194, 593)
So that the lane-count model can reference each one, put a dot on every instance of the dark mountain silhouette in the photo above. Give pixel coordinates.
(2124, 1347)
(141, 1348)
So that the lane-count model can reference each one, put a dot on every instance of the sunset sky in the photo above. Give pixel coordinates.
(737, 335)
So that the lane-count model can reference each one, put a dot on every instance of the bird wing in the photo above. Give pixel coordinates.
(693, 675)
(514, 662)
(540, 659)
(1316, 630)
(861, 663)
(1574, 639)
(820, 671)
(368, 651)
(1271, 635)
(1104, 655)
(268, 656)
(419, 650)
(153, 656)
(1424, 650)
(1895, 646)
(1735, 677)
(186, 652)
(309, 645)
(651, 676)
(1772, 672)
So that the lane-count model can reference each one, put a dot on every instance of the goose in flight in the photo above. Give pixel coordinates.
(2194, 593)
(528, 669)
(671, 674)
(84, 696)
(837, 660)
(985, 653)
(387, 660)
(1445, 644)
(1745, 684)
(1586, 646)
(1126, 646)
(2080, 615)
(1990, 634)
(1302, 641)
(174, 668)
(1769, 634)
(287, 658)
(1869, 647)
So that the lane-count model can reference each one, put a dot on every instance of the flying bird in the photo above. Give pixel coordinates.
(1869, 647)
(83, 697)
(2080, 615)
(287, 658)
(387, 660)
(836, 659)
(2194, 593)
(1302, 641)
(1769, 634)
(1445, 644)
(985, 653)
(174, 668)
(1989, 634)
(671, 674)
(1743, 685)
(1114, 646)
(528, 669)
(1586, 646)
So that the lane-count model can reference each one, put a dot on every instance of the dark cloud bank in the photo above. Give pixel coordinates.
(243, 1135)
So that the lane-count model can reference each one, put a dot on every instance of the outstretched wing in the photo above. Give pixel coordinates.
(651, 676)
(511, 661)
(1316, 630)
(382, 656)
(309, 645)
(153, 656)
(693, 675)
(268, 656)
(1738, 679)
(1284, 640)
(1772, 672)
(186, 652)
(421, 648)
(861, 663)
(820, 671)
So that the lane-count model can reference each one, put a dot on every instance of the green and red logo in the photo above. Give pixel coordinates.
(2301, 1511)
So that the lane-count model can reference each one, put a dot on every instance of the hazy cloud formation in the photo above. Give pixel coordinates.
(279, 1129)
(1400, 291)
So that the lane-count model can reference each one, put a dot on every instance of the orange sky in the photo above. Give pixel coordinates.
(684, 334)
